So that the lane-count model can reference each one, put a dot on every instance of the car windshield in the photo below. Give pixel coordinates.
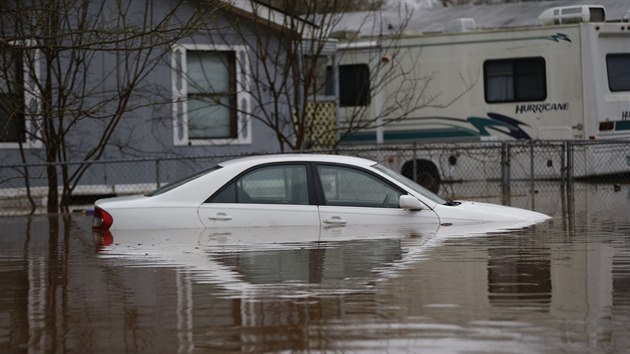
(411, 184)
(172, 185)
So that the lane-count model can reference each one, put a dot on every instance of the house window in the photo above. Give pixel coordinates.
(618, 68)
(354, 85)
(12, 123)
(211, 97)
(515, 80)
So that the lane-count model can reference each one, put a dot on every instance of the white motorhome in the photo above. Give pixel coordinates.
(565, 78)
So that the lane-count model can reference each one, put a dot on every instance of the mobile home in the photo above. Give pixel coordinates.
(565, 78)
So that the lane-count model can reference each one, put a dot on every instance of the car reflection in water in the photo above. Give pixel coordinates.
(250, 259)
(260, 289)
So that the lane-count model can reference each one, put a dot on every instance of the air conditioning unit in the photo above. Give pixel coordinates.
(573, 14)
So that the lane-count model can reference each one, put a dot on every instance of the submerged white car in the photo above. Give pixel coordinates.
(295, 190)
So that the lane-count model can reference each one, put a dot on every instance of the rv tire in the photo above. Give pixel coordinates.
(427, 174)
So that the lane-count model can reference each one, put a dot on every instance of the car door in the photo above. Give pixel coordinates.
(269, 195)
(356, 196)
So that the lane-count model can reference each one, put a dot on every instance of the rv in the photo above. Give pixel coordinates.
(565, 78)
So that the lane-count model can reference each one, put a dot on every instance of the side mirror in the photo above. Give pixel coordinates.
(410, 202)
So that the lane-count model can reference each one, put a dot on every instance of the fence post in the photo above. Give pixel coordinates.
(505, 171)
(157, 173)
(563, 167)
(570, 147)
(532, 187)
(414, 162)
(570, 174)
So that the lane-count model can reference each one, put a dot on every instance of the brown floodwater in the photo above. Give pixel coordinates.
(562, 286)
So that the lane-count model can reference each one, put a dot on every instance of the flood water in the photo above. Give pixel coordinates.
(562, 286)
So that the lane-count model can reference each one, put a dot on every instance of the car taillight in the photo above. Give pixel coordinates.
(102, 238)
(102, 220)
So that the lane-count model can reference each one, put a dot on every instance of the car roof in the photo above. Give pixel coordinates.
(263, 159)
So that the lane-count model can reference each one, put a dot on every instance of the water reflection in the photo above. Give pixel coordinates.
(35, 287)
(520, 274)
(560, 286)
(249, 258)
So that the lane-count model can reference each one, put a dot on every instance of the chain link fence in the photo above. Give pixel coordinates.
(533, 175)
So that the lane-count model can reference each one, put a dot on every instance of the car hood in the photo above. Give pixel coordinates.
(473, 212)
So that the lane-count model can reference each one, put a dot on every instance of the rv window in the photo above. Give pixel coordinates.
(354, 85)
(618, 68)
(515, 80)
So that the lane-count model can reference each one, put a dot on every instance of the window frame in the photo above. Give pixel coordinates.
(231, 96)
(31, 104)
(14, 92)
(321, 198)
(240, 112)
(309, 182)
(363, 98)
(315, 189)
(515, 75)
(608, 76)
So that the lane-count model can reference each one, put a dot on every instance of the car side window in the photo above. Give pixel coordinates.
(279, 184)
(344, 186)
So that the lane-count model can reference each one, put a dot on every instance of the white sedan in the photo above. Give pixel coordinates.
(295, 190)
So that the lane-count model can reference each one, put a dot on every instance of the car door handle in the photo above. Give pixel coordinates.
(335, 220)
(220, 216)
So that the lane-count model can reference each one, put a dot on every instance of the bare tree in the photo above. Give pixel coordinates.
(76, 66)
(294, 79)
(309, 92)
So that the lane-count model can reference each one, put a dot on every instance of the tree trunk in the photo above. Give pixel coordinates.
(27, 181)
(53, 195)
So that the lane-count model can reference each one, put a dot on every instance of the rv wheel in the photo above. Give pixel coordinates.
(427, 174)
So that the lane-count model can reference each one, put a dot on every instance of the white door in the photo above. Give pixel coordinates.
(271, 195)
(355, 196)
